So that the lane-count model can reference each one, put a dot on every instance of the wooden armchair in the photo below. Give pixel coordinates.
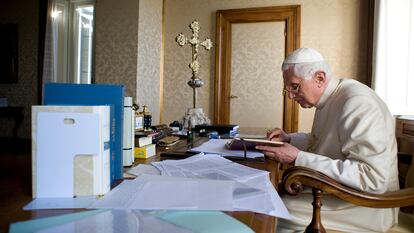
(296, 178)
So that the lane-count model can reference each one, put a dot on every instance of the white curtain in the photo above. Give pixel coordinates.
(393, 60)
(49, 52)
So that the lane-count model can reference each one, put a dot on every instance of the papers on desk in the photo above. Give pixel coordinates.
(218, 146)
(252, 189)
(143, 169)
(213, 167)
(201, 182)
(163, 192)
(60, 203)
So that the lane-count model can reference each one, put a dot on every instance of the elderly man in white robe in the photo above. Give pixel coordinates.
(352, 140)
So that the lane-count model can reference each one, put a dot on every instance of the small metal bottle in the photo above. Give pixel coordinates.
(147, 118)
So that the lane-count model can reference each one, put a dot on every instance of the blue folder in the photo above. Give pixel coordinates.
(95, 94)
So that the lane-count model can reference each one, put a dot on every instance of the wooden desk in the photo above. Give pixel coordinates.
(260, 223)
(16, 193)
(13, 112)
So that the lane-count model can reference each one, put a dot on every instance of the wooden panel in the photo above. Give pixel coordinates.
(405, 134)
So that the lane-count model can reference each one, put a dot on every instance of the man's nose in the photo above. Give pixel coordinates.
(291, 95)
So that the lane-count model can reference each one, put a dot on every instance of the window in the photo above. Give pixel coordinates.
(72, 26)
(393, 78)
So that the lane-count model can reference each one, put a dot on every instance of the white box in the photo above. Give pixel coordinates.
(70, 151)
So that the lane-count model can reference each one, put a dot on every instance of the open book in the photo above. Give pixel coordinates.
(250, 143)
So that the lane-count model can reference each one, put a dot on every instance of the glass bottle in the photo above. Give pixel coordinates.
(147, 118)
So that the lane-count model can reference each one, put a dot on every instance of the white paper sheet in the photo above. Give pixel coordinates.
(162, 192)
(60, 203)
(156, 194)
(143, 169)
(206, 182)
(211, 166)
(218, 146)
(252, 190)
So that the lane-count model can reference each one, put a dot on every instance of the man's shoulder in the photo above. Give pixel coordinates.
(353, 94)
(351, 88)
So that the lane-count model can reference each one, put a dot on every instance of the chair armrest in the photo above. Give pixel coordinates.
(295, 178)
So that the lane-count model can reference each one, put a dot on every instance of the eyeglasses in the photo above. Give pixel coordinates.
(295, 87)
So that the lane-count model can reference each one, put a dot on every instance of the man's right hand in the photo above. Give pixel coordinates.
(278, 134)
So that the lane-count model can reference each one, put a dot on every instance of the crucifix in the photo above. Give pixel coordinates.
(194, 42)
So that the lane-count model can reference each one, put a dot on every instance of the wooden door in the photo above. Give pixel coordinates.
(256, 100)
(251, 45)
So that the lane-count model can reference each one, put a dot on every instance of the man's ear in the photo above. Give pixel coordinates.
(320, 77)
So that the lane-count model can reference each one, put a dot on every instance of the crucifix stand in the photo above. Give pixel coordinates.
(194, 116)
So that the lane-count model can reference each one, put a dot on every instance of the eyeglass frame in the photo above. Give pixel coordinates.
(295, 90)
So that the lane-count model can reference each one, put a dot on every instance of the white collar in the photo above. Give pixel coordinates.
(330, 89)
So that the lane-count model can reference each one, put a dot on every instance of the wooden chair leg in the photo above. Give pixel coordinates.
(316, 225)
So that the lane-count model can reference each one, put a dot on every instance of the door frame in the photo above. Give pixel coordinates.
(222, 85)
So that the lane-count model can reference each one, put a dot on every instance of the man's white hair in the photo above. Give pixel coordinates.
(305, 62)
(308, 69)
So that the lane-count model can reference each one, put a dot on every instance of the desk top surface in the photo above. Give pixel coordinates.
(258, 222)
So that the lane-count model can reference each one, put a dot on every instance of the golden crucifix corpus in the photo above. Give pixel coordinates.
(194, 42)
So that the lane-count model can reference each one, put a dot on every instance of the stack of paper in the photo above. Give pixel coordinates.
(252, 190)
(155, 192)
(213, 167)
(201, 182)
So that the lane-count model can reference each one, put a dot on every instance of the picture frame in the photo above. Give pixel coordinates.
(139, 122)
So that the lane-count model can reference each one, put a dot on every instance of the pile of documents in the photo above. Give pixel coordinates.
(200, 182)
(251, 189)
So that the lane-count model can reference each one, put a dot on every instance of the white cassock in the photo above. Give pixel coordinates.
(352, 141)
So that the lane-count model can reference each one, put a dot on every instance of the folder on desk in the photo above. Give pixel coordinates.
(70, 151)
(95, 94)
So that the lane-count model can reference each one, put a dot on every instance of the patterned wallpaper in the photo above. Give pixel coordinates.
(177, 95)
(116, 38)
(128, 49)
(24, 13)
(336, 28)
(148, 89)
(257, 51)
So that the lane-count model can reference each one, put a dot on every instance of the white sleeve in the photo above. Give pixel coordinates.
(367, 139)
(299, 140)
